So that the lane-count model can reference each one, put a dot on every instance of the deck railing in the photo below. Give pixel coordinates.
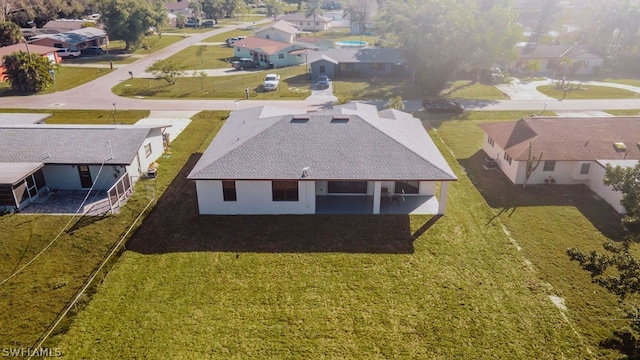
(119, 192)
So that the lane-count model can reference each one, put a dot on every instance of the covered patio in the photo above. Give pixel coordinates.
(363, 204)
(69, 202)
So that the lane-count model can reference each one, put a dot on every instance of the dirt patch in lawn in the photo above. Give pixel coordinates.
(175, 226)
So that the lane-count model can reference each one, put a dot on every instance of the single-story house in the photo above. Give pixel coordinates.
(63, 25)
(582, 60)
(74, 40)
(178, 8)
(38, 158)
(281, 30)
(308, 23)
(368, 62)
(572, 150)
(349, 159)
(46, 51)
(269, 53)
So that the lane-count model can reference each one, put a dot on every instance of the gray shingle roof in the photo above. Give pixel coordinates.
(71, 144)
(568, 139)
(369, 55)
(263, 143)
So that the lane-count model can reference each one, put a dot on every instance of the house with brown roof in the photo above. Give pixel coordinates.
(571, 150)
(352, 159)
(45, 51)
(269, 53)
(581, 60)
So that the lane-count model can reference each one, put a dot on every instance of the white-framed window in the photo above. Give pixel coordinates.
(147, 149)
(491, 141)
(584, 168)
(283, 190)
(549, 165)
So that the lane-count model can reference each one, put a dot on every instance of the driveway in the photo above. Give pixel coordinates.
(527, 90)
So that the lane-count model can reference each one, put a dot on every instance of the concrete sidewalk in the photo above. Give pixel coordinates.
(527, 90)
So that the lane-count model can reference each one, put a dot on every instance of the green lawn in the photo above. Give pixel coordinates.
(635, 112)
(202, 57)
(632, 82)
(466, 89)
(380, 88)
(292, 86)
(66, 78)
(588, 92)
(357, 287)
(229, 34)
(30, 301)
(545, 221)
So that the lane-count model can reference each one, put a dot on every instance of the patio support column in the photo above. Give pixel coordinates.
(442, 203)
(377, 190)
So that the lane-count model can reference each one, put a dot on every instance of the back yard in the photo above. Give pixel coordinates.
(357, 286)
(475, 283)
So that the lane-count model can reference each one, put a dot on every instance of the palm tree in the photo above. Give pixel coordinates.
(27, 72)
(313, 8)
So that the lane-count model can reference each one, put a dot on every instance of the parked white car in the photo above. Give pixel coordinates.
(271, 82)
(66, 53)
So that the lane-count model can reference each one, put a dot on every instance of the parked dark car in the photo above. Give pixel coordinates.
(244, 63)
(92, 50)
(442, 106)
(208, 23)
(323, 82)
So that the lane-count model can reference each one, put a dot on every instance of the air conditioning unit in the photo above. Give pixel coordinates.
(151, 173)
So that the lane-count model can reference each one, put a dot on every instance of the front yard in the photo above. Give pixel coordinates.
(292, 86)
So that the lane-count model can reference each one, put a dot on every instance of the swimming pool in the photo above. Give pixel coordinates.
(350, 44)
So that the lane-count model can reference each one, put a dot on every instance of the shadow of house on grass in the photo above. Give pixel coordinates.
(174, 225)
(501, 194)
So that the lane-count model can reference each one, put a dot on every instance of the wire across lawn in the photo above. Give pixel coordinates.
(359, 287)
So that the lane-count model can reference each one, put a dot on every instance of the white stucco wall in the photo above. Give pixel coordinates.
(253, 197)
(564, 172)
(497, 153)
(155, 139)
(427, 188)
(275, 35)
(605, 192)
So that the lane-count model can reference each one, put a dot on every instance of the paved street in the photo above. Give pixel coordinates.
(97, 94)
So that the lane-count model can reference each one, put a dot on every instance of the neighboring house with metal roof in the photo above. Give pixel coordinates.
(46, 51)
(580, 60)
(269, 53)
(308, 23)
(573, 150)
(367, 62)
(38, 158)
(349, 159)
(74, 40)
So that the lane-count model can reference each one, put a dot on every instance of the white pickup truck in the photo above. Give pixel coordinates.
(271, 82)
(65, 52)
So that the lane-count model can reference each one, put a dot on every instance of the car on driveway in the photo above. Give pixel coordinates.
(231, 40)
(323, 82)
(67, 53)
(244, 63)
(442, 106)
(92, 50)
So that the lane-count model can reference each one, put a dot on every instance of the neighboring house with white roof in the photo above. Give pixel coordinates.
(350, 159)
(308, 23)
(35, 157)
(582, 60)
(74, 40)
(282, 31)
(574, 150)
(269, 53)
